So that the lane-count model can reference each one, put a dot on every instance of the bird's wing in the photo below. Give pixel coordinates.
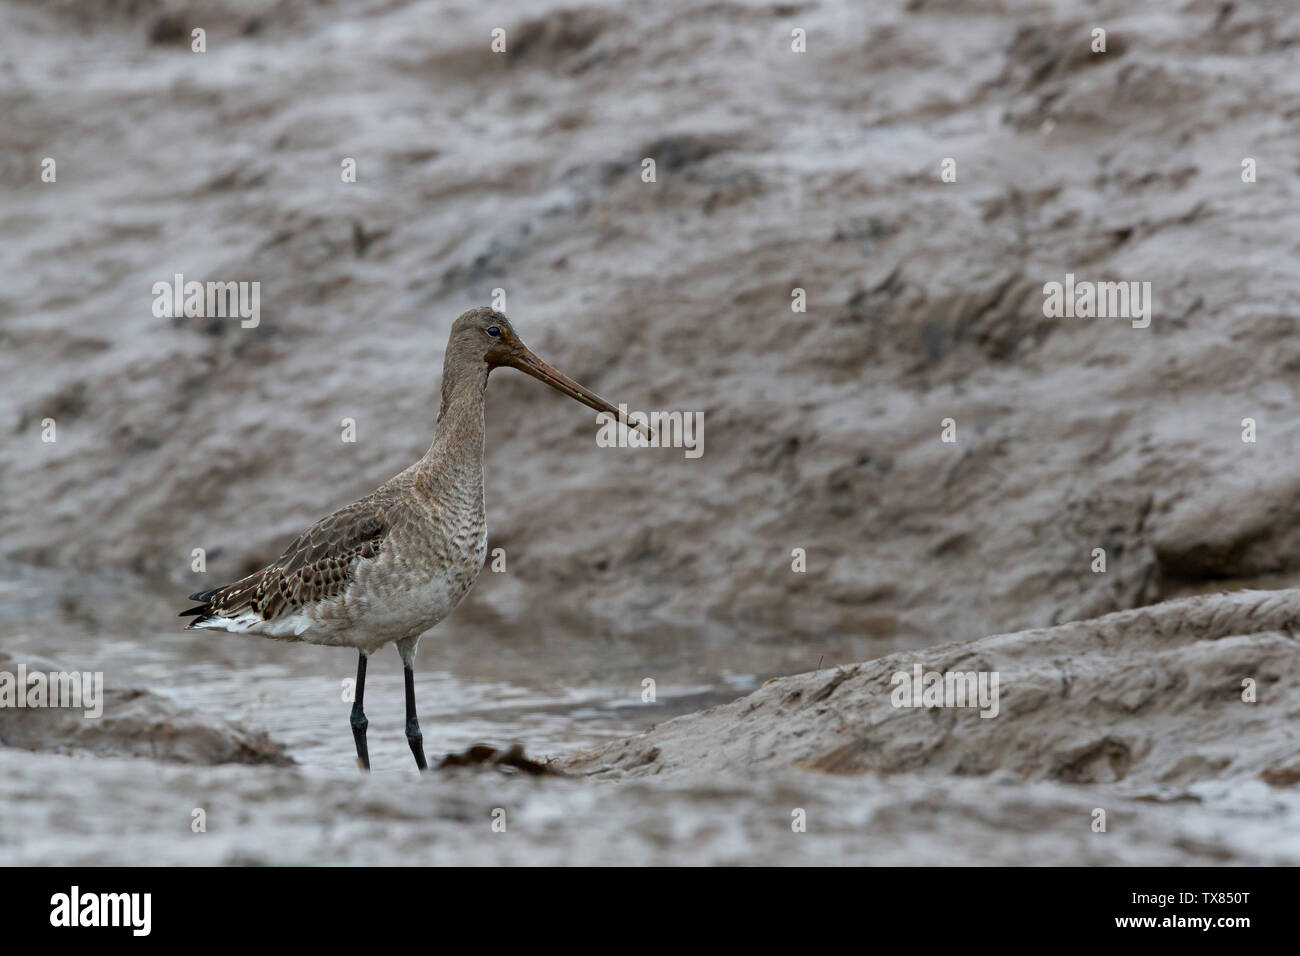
(318, 565)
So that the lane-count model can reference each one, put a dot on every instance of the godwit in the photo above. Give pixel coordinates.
(390, 566)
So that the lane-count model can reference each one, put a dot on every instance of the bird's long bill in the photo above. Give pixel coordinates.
(526, 361)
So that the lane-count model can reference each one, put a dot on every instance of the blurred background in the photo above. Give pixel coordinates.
(776, 170)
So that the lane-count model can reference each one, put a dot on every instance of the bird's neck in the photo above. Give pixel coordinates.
(458, 434)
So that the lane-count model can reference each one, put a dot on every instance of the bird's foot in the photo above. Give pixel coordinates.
(359, 726)
(416, 740)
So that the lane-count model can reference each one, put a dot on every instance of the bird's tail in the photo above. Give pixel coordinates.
(203, 610)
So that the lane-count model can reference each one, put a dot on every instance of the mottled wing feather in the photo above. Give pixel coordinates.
(318, 565)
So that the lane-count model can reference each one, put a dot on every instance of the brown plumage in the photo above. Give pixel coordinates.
(390, 566)
(317, 566)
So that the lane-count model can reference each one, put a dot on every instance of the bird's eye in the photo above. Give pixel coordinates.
(494, 332)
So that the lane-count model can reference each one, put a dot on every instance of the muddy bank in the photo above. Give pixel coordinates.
(1138, 716)
(109, 721)
(1151, 697)
(142, 812)
(776, 171)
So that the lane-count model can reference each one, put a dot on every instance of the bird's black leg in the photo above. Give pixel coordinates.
(413, 735)
(359, 722)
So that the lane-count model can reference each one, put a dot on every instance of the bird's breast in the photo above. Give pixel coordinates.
(436, 560)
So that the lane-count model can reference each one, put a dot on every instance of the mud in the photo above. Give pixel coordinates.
(775, 171)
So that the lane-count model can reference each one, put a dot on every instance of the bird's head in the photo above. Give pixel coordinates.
(485, 335)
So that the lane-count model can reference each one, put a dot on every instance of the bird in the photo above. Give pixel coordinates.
(396, 562)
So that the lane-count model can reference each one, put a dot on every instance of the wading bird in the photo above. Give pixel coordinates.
(392, 565)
